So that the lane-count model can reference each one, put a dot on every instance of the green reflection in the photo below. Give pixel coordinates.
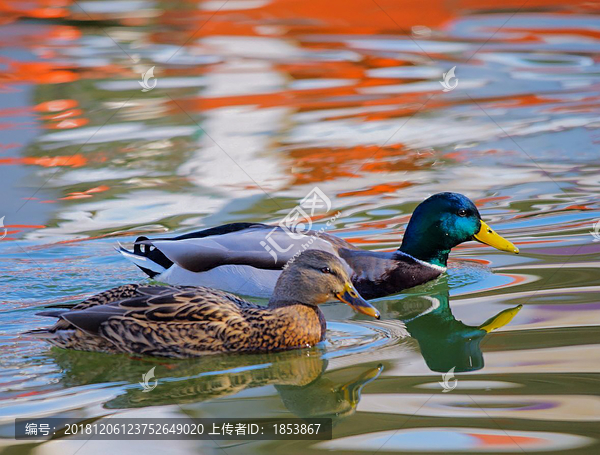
(446, 342)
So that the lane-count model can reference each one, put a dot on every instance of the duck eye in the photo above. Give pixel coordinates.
(326, 270)
(462, 212)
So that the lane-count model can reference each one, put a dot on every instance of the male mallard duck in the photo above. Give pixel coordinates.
(183, 321)
(248, 257)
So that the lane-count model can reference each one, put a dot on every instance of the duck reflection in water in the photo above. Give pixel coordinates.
(446, 342)
(300, 378)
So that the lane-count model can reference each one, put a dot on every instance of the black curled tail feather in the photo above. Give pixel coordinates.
(152, 253)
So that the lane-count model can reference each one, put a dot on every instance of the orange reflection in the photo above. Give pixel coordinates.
(37, 72)
(56, 105)
(87, 193)
(42, 9)
(76, 160)
(504, 440)
(68, 123)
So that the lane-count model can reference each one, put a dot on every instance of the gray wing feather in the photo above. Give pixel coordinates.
(91, 319)
(260, 247)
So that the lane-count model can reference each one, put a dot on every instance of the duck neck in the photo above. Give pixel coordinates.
(304, 324)
(421, 244)
(282, 298)
(431, 256)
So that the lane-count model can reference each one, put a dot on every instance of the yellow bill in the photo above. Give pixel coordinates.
(488, 236)
(501, 319)
(350, 297)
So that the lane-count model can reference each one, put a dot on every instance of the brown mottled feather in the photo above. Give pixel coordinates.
(182, 321)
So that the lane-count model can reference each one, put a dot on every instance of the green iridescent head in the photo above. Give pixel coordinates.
(443, 221)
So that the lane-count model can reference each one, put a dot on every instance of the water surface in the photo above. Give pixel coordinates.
(255, 104)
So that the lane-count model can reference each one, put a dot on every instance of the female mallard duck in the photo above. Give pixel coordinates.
(248, 257)
(191, 321)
